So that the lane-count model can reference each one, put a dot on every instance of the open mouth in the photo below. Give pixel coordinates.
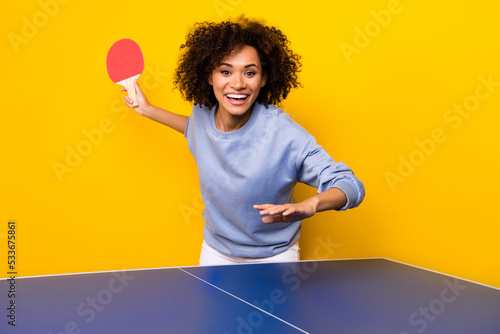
(237, 99)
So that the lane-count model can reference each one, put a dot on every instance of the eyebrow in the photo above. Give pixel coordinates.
(246, 66)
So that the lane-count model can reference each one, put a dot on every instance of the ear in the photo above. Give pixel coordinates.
(210, 82)
(264, 80)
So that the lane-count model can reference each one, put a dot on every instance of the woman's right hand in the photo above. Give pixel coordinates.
(144, 108)
(142, 101)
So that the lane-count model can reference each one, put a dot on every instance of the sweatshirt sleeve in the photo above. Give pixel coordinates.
(317, 169)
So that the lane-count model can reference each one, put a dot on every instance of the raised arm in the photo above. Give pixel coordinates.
(174, 121)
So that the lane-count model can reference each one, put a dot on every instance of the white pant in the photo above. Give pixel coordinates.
(211, 257)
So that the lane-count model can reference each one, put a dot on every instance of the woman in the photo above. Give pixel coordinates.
(249, 153)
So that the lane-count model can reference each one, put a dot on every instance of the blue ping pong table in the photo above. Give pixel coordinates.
(332, 296)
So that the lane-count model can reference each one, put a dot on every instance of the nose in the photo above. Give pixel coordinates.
(238, 82)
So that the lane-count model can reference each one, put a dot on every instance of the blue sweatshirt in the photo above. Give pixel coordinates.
(259, 163)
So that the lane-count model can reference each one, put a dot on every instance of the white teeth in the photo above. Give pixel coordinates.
(237, 96)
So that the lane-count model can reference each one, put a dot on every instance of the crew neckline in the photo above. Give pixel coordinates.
(237, 132)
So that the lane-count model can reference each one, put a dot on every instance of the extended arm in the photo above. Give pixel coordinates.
(331, 199)
(174, 121)
(338, 188)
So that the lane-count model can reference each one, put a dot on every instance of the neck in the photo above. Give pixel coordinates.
(226, 122)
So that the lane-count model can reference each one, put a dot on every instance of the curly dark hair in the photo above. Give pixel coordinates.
(208, 43)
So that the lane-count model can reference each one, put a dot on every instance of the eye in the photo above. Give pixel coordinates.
(225, 72)
(250, 74)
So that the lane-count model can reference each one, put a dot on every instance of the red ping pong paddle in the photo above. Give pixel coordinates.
(125, 63)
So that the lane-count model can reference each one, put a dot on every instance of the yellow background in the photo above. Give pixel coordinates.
(132, 199)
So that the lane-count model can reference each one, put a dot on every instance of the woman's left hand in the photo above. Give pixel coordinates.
(286, 213)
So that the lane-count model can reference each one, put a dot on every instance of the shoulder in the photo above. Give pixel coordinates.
(282, 121)
(200, 110)
(199, 119)
(200, 114)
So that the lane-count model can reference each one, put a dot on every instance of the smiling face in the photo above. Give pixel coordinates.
(237, 81)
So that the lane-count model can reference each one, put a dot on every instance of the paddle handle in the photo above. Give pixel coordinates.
(129, 84)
